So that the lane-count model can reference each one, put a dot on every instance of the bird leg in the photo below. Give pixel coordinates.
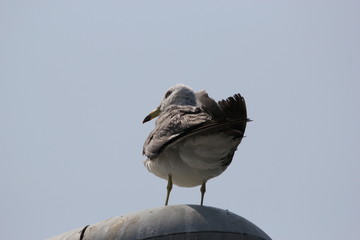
(202, 190)
(169, 187)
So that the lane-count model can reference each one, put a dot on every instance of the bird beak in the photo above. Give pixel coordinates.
(152, 115)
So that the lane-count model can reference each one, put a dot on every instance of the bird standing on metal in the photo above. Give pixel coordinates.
(195, 138)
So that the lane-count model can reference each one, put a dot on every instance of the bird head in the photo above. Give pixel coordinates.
(177, 95)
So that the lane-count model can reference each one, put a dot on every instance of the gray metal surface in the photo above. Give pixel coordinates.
(170, 222)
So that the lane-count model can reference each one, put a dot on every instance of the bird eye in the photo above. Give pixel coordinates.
(168, 93)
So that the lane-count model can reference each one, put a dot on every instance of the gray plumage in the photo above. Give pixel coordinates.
(195, 137)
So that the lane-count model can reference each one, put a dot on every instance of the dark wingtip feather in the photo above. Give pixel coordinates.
(233, 107)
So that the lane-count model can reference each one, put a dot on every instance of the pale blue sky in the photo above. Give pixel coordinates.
(78, 77)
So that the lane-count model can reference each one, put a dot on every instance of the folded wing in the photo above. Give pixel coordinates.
(177, 123)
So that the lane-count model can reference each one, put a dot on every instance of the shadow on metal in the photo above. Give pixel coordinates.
(170, 223)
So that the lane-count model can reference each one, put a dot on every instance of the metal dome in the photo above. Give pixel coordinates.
(170, 222)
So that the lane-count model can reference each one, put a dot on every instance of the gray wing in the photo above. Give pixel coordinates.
(179, 122)
(208, 104)
(228, 116)
(172, 122)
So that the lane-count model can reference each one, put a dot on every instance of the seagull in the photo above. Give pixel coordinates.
(194, 138)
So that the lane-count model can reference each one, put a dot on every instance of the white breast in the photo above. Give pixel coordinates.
(194, 160)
